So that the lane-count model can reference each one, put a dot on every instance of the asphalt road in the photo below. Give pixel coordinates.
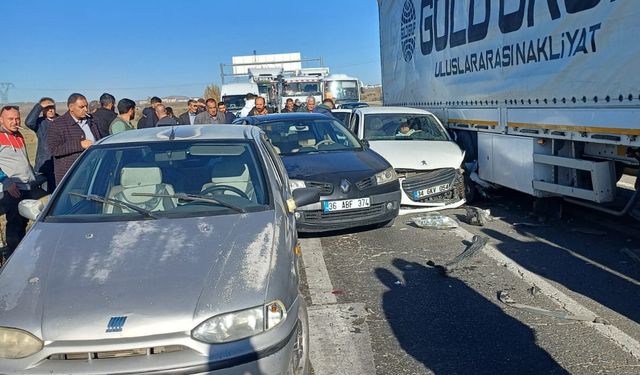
(378, 305)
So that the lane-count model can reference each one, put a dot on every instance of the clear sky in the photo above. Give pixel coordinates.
(138, 49)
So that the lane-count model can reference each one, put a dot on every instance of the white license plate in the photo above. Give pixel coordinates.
(347, 204)
(430, 191)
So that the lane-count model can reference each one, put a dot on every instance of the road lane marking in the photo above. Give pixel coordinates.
(338, 333)
(626, 342)
(320, 287)
(339, 340)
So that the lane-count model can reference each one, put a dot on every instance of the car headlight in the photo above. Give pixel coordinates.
(388, 175)
(296, 184)
(240, 324)
(16, 343)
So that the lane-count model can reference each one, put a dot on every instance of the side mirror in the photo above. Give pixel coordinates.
(30, 208)
(303, 197)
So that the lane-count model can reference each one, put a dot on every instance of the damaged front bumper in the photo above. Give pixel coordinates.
(435, 190)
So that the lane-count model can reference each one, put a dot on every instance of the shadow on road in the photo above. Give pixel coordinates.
(577, 267)
(452, 329)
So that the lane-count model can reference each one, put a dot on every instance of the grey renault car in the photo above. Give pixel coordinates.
(164, 250)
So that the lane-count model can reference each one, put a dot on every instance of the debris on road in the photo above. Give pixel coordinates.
(477, 216)
(435, 220)
(507, 300)
(477, 243)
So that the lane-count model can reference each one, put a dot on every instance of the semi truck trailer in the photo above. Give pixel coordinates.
(544, 96)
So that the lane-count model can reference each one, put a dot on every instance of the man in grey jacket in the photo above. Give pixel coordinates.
(19, 179)
(211, 115)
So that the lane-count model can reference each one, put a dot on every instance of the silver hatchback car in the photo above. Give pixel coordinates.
(165, 250)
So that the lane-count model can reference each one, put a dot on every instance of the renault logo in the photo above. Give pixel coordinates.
(116, 323)
(345, 186)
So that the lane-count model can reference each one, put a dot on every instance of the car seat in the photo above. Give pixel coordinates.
(306, 140)
(231, 171)
(140, 179)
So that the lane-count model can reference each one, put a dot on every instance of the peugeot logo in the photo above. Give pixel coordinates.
(408, 30)
(345, 186)
(116, 323)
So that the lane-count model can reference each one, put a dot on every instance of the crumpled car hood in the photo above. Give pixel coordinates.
(67, 280)
(411, 154)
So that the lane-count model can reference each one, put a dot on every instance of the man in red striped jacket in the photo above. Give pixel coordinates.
(14, 162)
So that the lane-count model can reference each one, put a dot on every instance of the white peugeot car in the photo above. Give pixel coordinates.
(421, 151)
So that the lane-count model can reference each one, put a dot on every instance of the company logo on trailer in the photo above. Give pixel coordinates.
(408, 30)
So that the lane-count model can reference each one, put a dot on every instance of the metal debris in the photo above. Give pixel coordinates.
(477, 243)
(477, 216)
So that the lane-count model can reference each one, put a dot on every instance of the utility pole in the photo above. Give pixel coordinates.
(4, 91)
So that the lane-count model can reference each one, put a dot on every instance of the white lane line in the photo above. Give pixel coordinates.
(320, 287)
(338, 333)
(626, 342)
(340, 341)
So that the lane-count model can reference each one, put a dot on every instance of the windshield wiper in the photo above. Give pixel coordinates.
(115, 202)
(193, 197)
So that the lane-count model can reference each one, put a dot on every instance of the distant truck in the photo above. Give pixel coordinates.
(341, 88)
(233, 95)
(300, 87)
(544, 96)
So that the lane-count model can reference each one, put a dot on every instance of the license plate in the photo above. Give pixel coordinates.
(347, 204)
(430, 191)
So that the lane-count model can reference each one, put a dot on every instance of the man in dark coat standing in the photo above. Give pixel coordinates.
(149, 118)
(40, 125)
(71, 134)
(104, 116)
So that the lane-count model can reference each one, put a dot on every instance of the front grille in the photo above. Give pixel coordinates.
(117, 353)
(416, 181)
(366, 183)
(324, 187)
(358, 214)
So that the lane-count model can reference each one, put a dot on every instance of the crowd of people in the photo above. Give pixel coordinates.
(62, 138)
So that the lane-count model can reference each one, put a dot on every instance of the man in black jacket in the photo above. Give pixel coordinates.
(149, 118)
(40, 125)
(103, 117)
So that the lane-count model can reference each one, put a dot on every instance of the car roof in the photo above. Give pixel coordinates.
(255, 120)
(183, 132)
(392, 110)
(342, 110)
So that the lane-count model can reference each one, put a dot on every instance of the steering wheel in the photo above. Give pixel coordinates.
(214, 188)
(324, 142)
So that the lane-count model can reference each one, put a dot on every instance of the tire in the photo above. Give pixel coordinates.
(300, 363)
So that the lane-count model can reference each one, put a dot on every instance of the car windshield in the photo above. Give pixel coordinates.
(342, 90)
(234, 102)
(300, 136)
(301, 88)
(399, 126)
(162, 179)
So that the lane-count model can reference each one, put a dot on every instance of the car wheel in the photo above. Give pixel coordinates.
(300, 359)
